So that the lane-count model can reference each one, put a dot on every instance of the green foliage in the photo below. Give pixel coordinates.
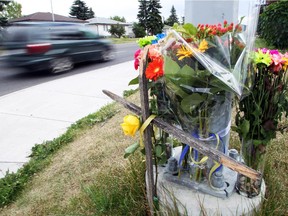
(80, 10)
(142, 15)
(172, 18)
(9, 10)
(3, 3)
(117, 30)
(90, 13)
(273, 25)
(149, 16)
(127, 93)
(138, 30)
(154, 23)
(118, 18)
(13, 183)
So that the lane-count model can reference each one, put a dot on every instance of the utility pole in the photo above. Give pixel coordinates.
(53, 19)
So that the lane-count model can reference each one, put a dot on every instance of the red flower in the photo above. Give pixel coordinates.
(155, 69)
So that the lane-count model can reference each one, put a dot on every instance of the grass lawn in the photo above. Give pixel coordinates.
(123, 40)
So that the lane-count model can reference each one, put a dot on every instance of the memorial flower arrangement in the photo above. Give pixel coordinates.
(204, 67)
(260, 112)
(193, 73)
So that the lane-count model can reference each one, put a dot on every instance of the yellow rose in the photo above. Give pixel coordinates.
(130, 125)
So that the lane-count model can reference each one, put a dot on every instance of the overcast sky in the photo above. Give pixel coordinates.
(102, 8)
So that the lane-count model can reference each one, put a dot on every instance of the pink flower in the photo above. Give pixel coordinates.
(264, 50)
(137, 58)
(274, 52)
(277, 59)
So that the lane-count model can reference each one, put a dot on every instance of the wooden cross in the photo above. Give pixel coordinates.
(181, 135)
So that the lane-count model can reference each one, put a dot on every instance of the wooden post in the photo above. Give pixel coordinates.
(151, 191)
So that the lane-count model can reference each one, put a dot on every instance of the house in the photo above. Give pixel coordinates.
(45, 17)
(102, 25)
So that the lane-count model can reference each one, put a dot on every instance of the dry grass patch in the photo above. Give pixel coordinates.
(75, 166)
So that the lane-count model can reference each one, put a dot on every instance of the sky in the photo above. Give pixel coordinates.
(102, 8)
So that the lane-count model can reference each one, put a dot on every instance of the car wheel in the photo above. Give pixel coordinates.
(107, 55)
(61, 64)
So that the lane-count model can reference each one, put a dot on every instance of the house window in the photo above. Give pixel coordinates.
(105, 27)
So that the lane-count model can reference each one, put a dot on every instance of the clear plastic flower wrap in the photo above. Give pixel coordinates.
(204, 67)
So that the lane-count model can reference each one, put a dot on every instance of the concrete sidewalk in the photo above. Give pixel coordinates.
(45, 111)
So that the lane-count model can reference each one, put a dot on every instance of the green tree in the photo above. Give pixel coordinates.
(80, 10)
(142, 15)
(3, 3)
(154, 23)
(117, 30)
(172, 18)
(273, 24)
(91, 13)
(120, 19)
(138, 30)
(9, 10)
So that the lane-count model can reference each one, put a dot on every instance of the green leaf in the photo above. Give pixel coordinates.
(259, 142)
(134, 81)
(131, 149)
(170, 67)
(234, 128)
(158, 151)
(175, 89)
(244, 128)
(191, 101)
(257, 112)
(190, 28)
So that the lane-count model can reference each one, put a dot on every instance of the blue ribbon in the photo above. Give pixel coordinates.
(186, 148)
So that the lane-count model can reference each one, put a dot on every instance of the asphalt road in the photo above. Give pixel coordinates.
(12, 79)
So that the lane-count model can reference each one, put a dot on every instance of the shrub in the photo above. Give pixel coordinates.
(138, 30)
(274, 24)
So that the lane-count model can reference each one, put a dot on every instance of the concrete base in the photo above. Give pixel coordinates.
(192, 202)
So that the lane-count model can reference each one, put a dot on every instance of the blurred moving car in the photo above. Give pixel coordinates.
(54, 47)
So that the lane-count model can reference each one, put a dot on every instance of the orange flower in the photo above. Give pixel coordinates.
(155, 69)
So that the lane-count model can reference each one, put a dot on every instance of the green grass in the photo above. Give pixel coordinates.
(123, 40)
(12, 184)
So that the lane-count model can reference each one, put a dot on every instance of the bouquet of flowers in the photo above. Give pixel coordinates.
(193, 73)
(204, 67)
(260, 112)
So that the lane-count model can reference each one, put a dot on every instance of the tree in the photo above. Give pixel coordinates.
(172, 18)
(9, 10)
(120, 19)
(154, 23)
(138, 30)
(117, 30)
(273, 24)
(3, 3)
(91, 13)
(80, 10)
(13, 10)
(142, 15)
